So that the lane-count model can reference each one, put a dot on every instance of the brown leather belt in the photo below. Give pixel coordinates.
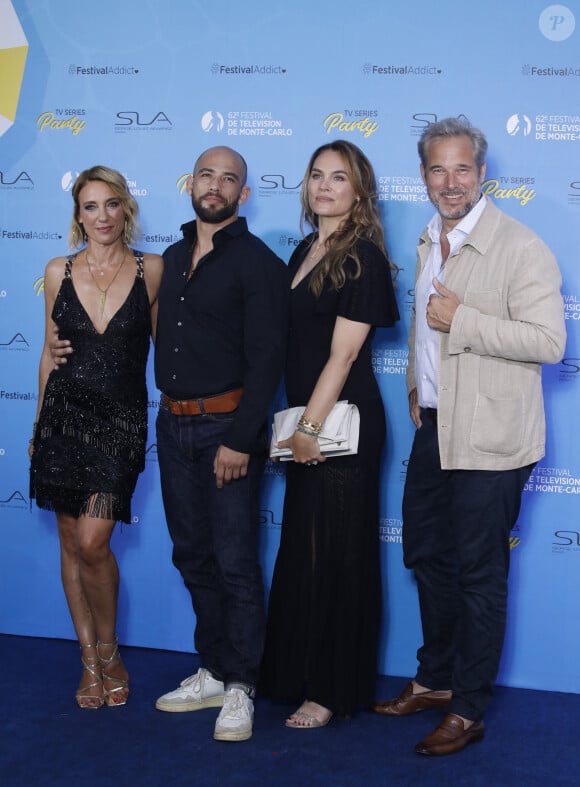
(221, 403)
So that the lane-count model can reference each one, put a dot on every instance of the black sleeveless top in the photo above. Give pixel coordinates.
(90, 439)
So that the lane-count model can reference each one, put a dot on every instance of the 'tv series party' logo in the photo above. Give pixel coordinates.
(62, 120)
(504, 187)
(345, 122)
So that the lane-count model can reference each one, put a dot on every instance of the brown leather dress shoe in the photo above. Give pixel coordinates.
(407, 702)
(450, 736)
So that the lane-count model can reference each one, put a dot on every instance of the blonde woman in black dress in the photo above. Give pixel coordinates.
(325, 602)
(88, 444)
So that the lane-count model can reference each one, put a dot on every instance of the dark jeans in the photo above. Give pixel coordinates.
(456, 528)
(214, 533)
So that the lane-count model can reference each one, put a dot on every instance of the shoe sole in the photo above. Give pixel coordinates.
(232, 735)
(185, 707)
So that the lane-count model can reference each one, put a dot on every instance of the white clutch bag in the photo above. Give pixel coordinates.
(339, 436)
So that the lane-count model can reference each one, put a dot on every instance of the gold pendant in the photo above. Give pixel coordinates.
(102, 303)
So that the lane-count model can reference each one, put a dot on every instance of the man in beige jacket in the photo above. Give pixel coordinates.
(488, 312)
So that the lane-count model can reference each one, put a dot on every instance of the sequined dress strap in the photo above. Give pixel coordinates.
(68, 265)
(140, 265)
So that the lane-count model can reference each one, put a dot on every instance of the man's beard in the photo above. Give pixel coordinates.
(216, 213)
(471, 197)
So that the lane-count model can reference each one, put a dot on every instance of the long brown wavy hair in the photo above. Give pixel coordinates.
(363, 221)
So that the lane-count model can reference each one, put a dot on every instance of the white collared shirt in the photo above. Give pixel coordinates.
(426, 338)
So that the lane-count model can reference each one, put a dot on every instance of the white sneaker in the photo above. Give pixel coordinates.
(236, 717)
(198, 691)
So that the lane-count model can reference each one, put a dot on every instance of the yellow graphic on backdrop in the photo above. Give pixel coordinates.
(182, 182)
(48, 120)
(13, 52)
(521, 193)
(337, 121)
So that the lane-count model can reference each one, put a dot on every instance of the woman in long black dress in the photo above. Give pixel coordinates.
(325, 602)
(88, 444)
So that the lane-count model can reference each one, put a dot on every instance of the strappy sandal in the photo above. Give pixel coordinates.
(300, 720)
(91, 701)
(119, 695)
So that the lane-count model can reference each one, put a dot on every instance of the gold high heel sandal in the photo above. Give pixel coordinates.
(91, 701)
(118, 695)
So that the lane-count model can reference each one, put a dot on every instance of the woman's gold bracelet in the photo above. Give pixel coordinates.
(305, 430)
(313, 426)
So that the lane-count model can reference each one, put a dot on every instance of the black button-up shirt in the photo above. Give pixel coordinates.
(225, 327)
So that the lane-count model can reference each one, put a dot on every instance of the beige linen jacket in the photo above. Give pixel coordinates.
(510, 321)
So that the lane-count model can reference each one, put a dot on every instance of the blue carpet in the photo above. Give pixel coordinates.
(531, 738)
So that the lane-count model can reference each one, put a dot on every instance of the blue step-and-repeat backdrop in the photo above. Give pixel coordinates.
(144, 87)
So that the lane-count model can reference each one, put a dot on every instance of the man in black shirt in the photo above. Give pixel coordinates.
(220, 346)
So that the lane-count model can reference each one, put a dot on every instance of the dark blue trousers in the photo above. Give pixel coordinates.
(456, 528)
(214, 533)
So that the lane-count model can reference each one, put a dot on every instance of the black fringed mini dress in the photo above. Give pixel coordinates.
(90, 439)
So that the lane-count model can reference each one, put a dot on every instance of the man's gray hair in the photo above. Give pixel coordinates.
(453, 127)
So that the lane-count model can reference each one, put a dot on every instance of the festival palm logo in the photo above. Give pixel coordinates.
(68, 179)
(518, 124)
(212, 121)
(13, 52)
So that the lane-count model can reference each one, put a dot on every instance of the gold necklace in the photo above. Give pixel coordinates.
(104, 292)
(314, 253)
